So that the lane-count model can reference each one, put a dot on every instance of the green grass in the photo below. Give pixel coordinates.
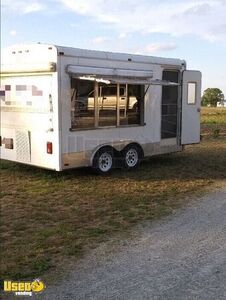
(49, 218)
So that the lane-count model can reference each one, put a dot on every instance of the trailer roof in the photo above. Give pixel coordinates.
(70, 51)
(39, 51)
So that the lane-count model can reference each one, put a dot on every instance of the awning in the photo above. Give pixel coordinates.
(114, 80)
(110, 75)
(108, 72)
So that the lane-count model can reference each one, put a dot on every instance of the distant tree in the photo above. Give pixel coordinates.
(211, 96)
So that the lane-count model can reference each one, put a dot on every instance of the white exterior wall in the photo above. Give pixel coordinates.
(78, 146)
(30, 130)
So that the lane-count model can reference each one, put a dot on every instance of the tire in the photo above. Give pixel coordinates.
(103, 161)
(131, 156)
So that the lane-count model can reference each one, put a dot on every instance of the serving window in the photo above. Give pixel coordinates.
(99, 104)
(82, 104)
(107, 105)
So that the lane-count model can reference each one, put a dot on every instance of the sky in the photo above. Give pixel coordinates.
(194, 30)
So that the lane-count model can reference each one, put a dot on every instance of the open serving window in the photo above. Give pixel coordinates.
(103, 97)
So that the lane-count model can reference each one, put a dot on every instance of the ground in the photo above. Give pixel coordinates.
(180, 257)
(49, 219)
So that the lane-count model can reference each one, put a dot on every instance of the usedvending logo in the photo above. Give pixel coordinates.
(20, 288)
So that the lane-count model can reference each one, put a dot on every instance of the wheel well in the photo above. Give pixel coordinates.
(138, 146)
(105, 147)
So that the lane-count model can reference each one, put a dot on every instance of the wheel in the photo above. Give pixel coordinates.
(103, 161)
(131, 156)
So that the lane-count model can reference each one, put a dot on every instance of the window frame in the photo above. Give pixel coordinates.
(195, 94)
(96, 110)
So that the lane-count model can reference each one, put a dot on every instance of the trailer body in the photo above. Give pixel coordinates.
(60, 106)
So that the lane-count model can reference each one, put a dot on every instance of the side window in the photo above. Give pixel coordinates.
(122, 91)
(103, 107)
(107, 104)
(131, 104)
(82, 104)
(191, 92)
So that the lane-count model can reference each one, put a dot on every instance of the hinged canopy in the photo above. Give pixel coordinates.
(110, 75)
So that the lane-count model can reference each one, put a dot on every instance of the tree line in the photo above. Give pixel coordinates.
(212, 96)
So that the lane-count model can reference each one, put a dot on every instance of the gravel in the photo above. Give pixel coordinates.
(180, 257)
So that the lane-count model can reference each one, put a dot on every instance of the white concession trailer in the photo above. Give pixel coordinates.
(64, 107)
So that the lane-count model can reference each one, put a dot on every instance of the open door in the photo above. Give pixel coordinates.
(191, 101)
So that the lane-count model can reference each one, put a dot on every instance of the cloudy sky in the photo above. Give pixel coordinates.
(194, 30)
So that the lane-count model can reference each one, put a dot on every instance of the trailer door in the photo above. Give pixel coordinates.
(191, 101)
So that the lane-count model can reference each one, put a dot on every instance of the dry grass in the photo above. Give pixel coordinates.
(48, 217)
(213, 120)
(214, 115)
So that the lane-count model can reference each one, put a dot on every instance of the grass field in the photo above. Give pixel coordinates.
(213, 120)
(48, 218)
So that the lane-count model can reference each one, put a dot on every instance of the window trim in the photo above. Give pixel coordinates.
(108, 127)
(192, 103)
(117, 106)
(96, 106)
(96, 109)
